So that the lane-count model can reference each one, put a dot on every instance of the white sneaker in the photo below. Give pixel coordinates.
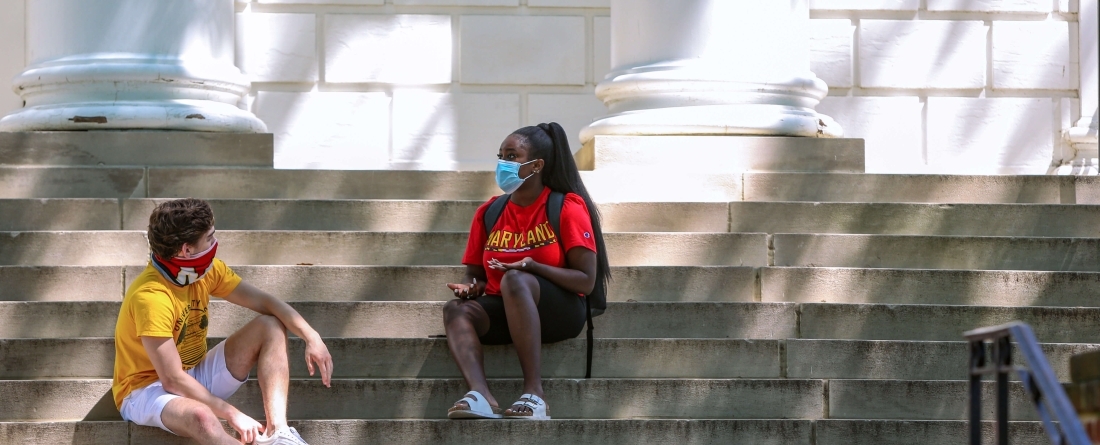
(285, 436)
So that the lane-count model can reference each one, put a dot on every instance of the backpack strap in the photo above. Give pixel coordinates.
(492, 214)
(553, 212)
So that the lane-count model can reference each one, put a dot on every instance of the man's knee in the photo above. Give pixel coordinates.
(272, 325)
(516, 282)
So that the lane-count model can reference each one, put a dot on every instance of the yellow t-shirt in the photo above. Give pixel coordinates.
(154, 307)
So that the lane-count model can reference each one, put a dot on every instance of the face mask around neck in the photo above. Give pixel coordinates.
(508, 175)
(184, 271)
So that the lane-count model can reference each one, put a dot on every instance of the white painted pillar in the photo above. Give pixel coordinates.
(1083, 135)
(711, 67)
(131, 64)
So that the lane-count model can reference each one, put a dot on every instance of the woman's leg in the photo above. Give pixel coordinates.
(521, 299)
(464, 321)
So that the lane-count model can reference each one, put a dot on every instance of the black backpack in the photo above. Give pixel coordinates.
(596, 302)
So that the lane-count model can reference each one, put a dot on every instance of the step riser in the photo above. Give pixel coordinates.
(657, 283)
(624, 249)
(430, 398)
(557, 432)
(430, 358)
(943, 323)
(951, 287)
(420, 320)
(369, 283)
(568, 399)
(925, 400)
(92, 148)
(824, 187)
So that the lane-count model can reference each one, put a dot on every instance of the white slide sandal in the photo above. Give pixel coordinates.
(539, 410)
(479, 408)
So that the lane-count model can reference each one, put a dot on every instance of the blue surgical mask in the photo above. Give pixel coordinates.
(508, 175)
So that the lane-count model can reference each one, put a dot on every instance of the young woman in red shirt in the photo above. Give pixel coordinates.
(524, 283)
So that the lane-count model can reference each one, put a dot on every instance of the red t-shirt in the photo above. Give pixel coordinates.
(523, 232)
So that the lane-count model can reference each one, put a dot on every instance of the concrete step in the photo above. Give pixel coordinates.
(430, 358)
(117, 148)
(613, 358)
(557, 432)
(937, 252)
(916, 219)
(861, 187)
(942, 323)
(51, 400)
(455, 216)
(111, 248)
(926, 286)
(622, 320)
(640, 283)
(374, 283)
(420, 319)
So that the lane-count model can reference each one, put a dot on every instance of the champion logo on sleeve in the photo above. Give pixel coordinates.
(587, 235)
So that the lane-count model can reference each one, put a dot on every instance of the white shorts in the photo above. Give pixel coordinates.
(143, 406)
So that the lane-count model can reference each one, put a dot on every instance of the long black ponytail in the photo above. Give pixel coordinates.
(550, 143)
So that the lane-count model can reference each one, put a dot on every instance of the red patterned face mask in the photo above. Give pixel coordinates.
(184, 271)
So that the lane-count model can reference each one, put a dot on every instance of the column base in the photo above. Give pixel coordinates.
(188, 115)
(1084, 140)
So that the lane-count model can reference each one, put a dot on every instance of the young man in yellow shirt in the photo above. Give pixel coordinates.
(165, 376)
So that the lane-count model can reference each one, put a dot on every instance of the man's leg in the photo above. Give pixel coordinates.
(190, 418)
(262, 343)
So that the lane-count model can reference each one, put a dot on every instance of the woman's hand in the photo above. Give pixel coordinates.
(524, 264)
(467, 291)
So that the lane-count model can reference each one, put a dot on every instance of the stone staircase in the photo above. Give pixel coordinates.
(820, 309)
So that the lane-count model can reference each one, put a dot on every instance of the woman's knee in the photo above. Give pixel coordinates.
(517, 282)
(455, 309)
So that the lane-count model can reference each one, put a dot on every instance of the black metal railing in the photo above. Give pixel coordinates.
(991, 352)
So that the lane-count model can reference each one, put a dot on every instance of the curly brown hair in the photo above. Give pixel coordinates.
(178, 222)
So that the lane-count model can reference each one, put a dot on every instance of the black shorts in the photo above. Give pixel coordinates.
(561, 313)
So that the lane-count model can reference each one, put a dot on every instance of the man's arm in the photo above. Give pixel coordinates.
(166, 360)
(249, 296)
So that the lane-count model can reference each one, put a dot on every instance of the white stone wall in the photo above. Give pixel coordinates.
(935, 86)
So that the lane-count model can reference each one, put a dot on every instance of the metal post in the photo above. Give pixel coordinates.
(1003, 352)
(977, 360)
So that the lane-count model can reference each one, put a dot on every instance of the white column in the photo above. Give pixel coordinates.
(711, 67)
(131, 64)
(1083, 135)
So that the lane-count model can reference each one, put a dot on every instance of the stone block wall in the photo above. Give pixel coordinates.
(935, 86)
(419, 84)
(951, 86)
